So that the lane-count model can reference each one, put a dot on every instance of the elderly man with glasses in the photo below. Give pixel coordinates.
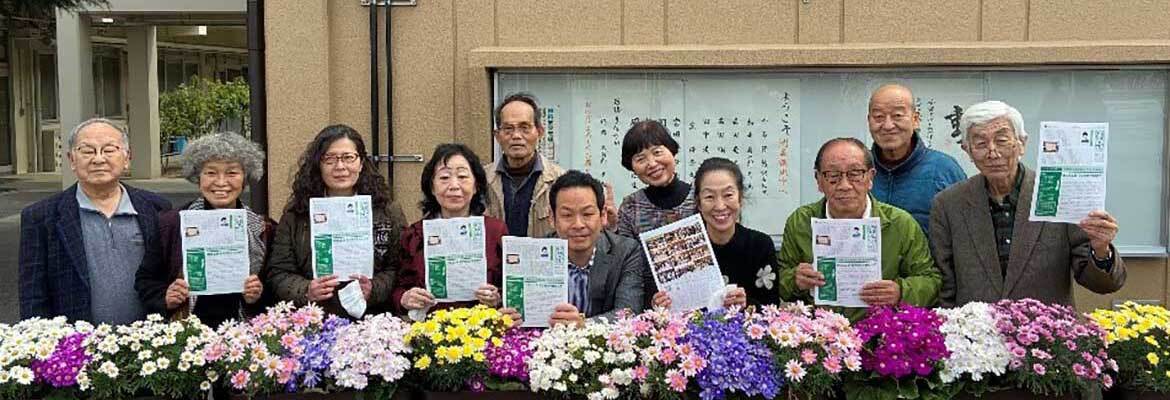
(80, 248)
(518, 181)
(844, 173)
(983, 241)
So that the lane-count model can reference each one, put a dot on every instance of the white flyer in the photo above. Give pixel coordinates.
(454, 252)
(352, 299)
(848, 252)
(215, 250)
(536, 276)
(1070, 171)
(683, 263)
(342, 232)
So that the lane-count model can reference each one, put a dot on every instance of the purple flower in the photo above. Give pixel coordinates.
(63, 365)
(315, 359)
(509, 360)
(904, 340)
(735, 363)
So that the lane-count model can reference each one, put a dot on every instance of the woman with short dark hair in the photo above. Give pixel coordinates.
(335, 164)
(454, 185)
(649, 152)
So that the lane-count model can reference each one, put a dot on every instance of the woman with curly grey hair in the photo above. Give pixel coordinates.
(220, 164)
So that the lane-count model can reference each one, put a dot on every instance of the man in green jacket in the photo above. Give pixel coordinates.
(844, 173)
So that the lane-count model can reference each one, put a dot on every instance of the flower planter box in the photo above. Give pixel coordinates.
(1014, 394)
(487, 395)
(1128, 394)
(303, 396)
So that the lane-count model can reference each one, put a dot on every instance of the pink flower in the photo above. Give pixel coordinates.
(832, 364)
(1107, 381)
(808, 356)
(240, 379)
(677, 381)
(1071, 345)
(756, 332)
(1041, 354)
(640, 373)
(1040, 370)
(289, 340)
(667, 356)
(794, 371)
(1079, 370)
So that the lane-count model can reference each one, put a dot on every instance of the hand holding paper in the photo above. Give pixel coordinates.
(881, 293)
(808, 278)
(1101, 228)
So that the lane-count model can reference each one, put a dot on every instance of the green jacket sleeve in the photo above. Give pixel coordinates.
(918, 278)
(790, 258)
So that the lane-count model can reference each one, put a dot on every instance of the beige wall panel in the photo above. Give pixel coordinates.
(1099, 20)
(474, 28)
(349, 69)
(911, 20)
(1146, 280)
(558, 22)
(424, 83)
(1005, 20)
(644, 22)
(730, 22)
(297, 85)
(820, 21)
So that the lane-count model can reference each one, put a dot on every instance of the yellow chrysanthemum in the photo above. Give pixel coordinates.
(455, 353)
(1152, 341)
(497, 342)
(423, 362)
(507, 320)
(484, 333)
(1152, 358)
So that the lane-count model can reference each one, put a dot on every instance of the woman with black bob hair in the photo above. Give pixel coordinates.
(454, 185)
(334, 164)
(649, 152)
(747, 257)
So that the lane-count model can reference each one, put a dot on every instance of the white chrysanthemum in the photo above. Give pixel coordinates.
(83, 382)
(148, 368)
(22, 375)
(163, 363)
(974, 342)
(109, 369)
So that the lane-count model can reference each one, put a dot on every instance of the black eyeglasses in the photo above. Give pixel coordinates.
(834, 177)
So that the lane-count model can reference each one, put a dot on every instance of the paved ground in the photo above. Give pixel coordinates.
(18, 191)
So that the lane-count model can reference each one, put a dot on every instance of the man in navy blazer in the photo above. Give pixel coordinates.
(79, 249)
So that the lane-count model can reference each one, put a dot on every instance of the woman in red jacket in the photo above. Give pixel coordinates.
(454, 185)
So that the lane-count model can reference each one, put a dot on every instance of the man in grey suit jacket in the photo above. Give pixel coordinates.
(983, 241)
(605, 269)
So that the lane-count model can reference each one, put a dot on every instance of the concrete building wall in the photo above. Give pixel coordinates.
(317, 73)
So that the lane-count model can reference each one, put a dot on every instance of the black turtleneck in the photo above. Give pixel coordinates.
(669, 196)
(519, 175)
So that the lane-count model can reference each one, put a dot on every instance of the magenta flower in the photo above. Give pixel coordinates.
(1040, 370)
(903, 341)
(509, 360)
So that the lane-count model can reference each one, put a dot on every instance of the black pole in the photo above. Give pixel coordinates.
(389, 101)
(258, 103)
(375, 122)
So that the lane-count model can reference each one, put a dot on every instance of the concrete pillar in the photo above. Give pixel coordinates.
(74, 81)
(19, 79)
(142, 52)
